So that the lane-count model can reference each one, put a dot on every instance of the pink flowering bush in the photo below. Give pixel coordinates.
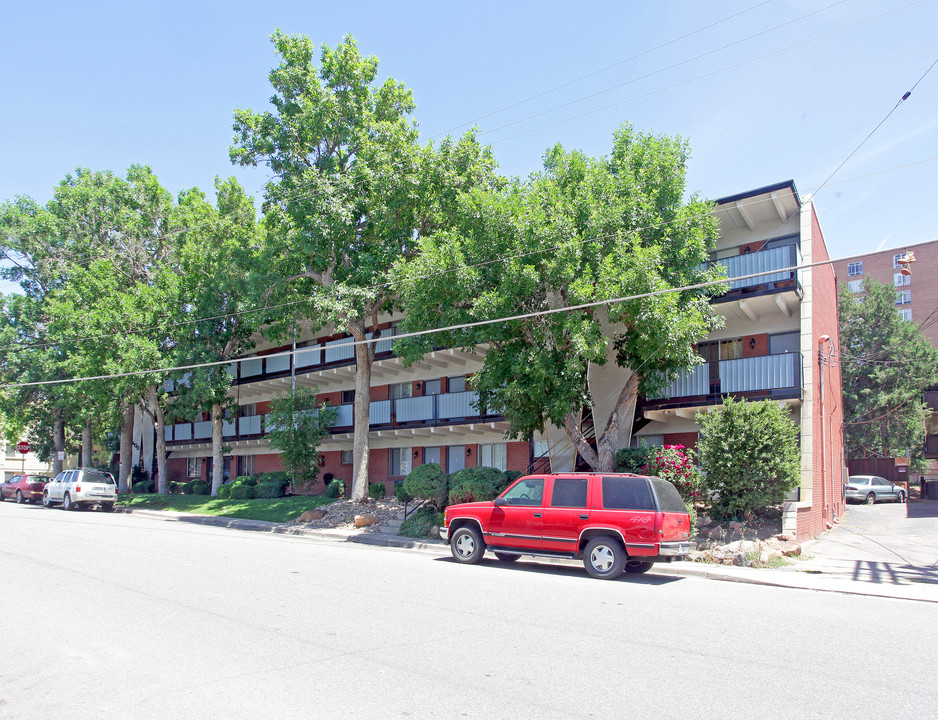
(673, 463)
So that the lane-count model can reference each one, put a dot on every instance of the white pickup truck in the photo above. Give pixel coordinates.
(81, 487)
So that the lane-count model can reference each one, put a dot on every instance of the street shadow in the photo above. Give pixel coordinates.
(882, 573)
(922, 509)
(544, 568)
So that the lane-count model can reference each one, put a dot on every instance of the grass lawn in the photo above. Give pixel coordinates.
(272, 509)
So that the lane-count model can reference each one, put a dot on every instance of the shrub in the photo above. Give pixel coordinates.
(224, 492)
(428, 481)
(176, 487)
(674, 464)
(476, 484)
(143, 486)
(245, 480)
(376, 490)
(335, 489)
(401, 493)
(633, 459)
(270, 490)
(692, 511)
(242, 491)
(421, 522)
(199, 487)
(278, 476)
(138, 474)
(511, 476)
(749, 451)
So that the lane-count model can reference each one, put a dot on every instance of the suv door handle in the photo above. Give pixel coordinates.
(584, 517)
(537, 514)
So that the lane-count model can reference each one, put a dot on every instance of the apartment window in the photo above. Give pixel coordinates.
(245, 465)
(854, 269)
(432, 455)
(906, 314)
(900, 280)
(789, 342)
(904, 297)
(348, 397)
(541, 448)
(248, 410)
(193, 467)
(399, 462)
(456, 384)
(855, 286)
(494, 456)
(400, 390)
(896, 259)
(455, 458)
(346, 457)
(432, 387)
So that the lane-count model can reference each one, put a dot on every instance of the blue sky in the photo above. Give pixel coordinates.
(107, 84)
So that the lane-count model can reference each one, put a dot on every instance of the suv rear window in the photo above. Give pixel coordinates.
(628, 493)
(668, 496)
(96, 476)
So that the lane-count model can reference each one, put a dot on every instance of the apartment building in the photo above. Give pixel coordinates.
(779, 328)
(916, 301)
(427, 412)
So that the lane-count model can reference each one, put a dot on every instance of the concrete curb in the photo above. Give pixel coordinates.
(793, 579)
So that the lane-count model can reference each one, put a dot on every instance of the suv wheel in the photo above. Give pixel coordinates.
(506, 557)
(46, 500)
(638, 567)
(107, 507)
(67, 503)
(467, 546)
(604, 558)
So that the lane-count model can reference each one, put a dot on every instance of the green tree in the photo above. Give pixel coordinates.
(749, 453)
(296, 426)
(352, 189)
(584, 230)
(886, 364)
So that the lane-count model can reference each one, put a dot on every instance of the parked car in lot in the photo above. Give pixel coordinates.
(613, 522)
(81, 487)
(24, 488)
(872, 488)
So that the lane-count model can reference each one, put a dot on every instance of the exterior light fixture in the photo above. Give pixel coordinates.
(752, 343)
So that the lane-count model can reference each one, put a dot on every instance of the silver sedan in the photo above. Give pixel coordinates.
(872, 488)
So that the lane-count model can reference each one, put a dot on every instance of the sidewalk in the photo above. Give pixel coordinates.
(820, 573)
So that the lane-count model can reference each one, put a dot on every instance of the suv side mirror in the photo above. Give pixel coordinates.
(500, 501)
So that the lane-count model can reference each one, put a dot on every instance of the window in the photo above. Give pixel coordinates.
(526, 492)
(896, 259)
(784, 343)
(432, 387)
(623, 493)
(900, 280)
(432, 455)
(193, 467)
(569, 492)
(906, 314)
(400, 390)
(348, 397)
(854, 269)
(495, 456)
(248, 410)
(245, 465)
(455, 458)
(541, 448)
(731, 349)
(399, 462)
(346, 458)
(456, 384)
(855, 286)
(903, 297)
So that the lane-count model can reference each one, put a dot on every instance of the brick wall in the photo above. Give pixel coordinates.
(755, 345)
(687, 439)
(519, 456)
(176, 469)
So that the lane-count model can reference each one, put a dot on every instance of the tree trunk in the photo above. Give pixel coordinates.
(218, 459)
(126, 449)
(602, 458)
(364, 357)
(159, 423)
(86, 445)
(58, 441)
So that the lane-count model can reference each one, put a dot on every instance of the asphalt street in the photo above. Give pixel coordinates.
(111, 615)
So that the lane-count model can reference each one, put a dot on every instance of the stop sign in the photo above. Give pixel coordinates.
(22, 447)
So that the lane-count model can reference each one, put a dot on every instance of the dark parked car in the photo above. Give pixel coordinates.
(871, 488)
(24, 488)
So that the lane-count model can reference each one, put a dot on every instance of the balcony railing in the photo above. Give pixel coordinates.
(425, 410)
(764, 373)
(764, 261)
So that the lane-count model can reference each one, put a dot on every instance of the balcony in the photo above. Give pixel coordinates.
(427, 410)
(777, 277)
(764, 376)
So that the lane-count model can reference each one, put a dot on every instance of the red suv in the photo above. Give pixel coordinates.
(612, 521)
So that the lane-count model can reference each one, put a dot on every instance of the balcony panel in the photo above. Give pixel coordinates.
(252, 367)
(168, 433)
(278, 364)
(768, 372)
(381, 412)
(695, 382)
(415, 409)
(232, 369)
(458, 405)
(345, 416)
(307, 357)
(762, 261)
(384, 344)
(346, 351)
(182, 431)
(250, 425)
(202, 430)
(228, 428)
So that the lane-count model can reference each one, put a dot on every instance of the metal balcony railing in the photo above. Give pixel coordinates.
(741, 375)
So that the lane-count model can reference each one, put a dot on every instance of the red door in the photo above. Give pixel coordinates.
(516, 522)
(566, 513)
